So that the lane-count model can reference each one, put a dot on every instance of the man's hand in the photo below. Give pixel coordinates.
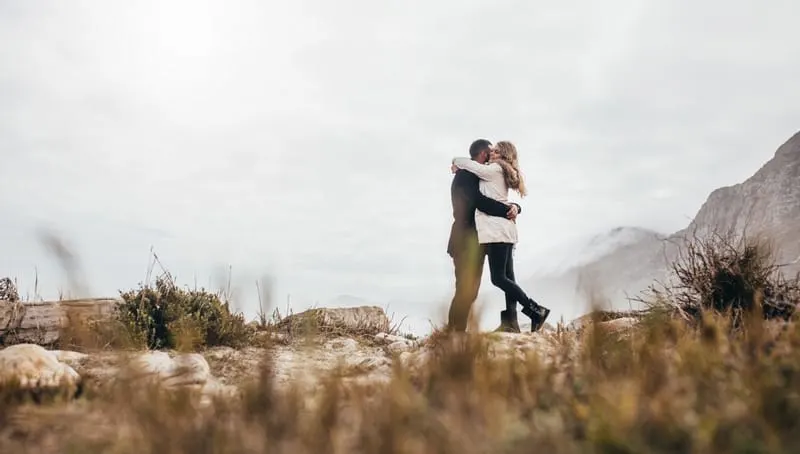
(513, 211)
(453, 168)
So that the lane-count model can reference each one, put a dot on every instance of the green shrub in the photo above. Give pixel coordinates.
(166, 316)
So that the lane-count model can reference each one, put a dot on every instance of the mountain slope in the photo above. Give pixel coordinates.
(766, 203)
(562, 258)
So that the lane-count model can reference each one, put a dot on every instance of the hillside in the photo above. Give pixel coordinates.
(562, 258)
(766, 203)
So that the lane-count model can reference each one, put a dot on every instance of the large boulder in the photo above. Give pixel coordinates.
(37, 371)
(361, 320)
(188, 369)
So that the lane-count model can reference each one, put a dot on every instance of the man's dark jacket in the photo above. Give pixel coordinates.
(466, 198)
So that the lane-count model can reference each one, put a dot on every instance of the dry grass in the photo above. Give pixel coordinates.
(664, 386)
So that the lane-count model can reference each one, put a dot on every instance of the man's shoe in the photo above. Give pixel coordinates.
(508, 322)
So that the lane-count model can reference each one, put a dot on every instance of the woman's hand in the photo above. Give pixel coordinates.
(453, 168)
(513, 211)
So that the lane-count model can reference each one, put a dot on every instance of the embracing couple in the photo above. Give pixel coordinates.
(485, 225)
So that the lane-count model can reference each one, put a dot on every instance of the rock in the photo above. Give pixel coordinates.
(304, 364)
(347, 320)
(190, 371)
(73, 359)
(406, 358)
(619, 325)
(387, 338)
(8, 291)
(237, 366)
(394, 343)
(156, 365)
(42, 322)
(400, 346)
(506, 345)
(548, 346)
(354, 356)
(606, 318)
(270, 337)
(36, 369)
(366, 364)
(341, 345)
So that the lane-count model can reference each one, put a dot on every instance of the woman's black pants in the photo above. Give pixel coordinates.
(501, 267)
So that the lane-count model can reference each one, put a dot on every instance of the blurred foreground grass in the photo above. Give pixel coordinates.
(725, 380)
(662, 387)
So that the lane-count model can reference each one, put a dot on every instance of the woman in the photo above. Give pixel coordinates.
(500, 234)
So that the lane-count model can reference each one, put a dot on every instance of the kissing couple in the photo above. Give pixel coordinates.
(484, 224)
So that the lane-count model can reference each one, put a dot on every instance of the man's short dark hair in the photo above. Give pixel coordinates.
(478, 146)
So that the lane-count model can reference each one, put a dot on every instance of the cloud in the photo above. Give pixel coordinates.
(313, 139)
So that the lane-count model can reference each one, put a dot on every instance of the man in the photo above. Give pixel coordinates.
(468, 255)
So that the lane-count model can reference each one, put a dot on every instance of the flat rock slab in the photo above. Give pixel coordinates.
(608, 319)
(41, 322)
(346, 320)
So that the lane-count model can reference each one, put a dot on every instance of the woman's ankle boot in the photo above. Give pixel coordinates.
(537, 313)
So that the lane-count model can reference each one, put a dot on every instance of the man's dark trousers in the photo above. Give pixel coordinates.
(468, 258)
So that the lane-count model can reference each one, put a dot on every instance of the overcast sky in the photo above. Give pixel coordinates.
(311, 139)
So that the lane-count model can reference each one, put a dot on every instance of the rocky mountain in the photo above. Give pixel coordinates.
(767, 203)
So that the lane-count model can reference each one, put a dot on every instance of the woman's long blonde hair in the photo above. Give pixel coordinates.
(510, 164)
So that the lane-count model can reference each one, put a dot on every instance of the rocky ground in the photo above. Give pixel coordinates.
(341, 346)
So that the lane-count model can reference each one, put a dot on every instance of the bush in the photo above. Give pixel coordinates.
(729, 274)
(165, 316)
